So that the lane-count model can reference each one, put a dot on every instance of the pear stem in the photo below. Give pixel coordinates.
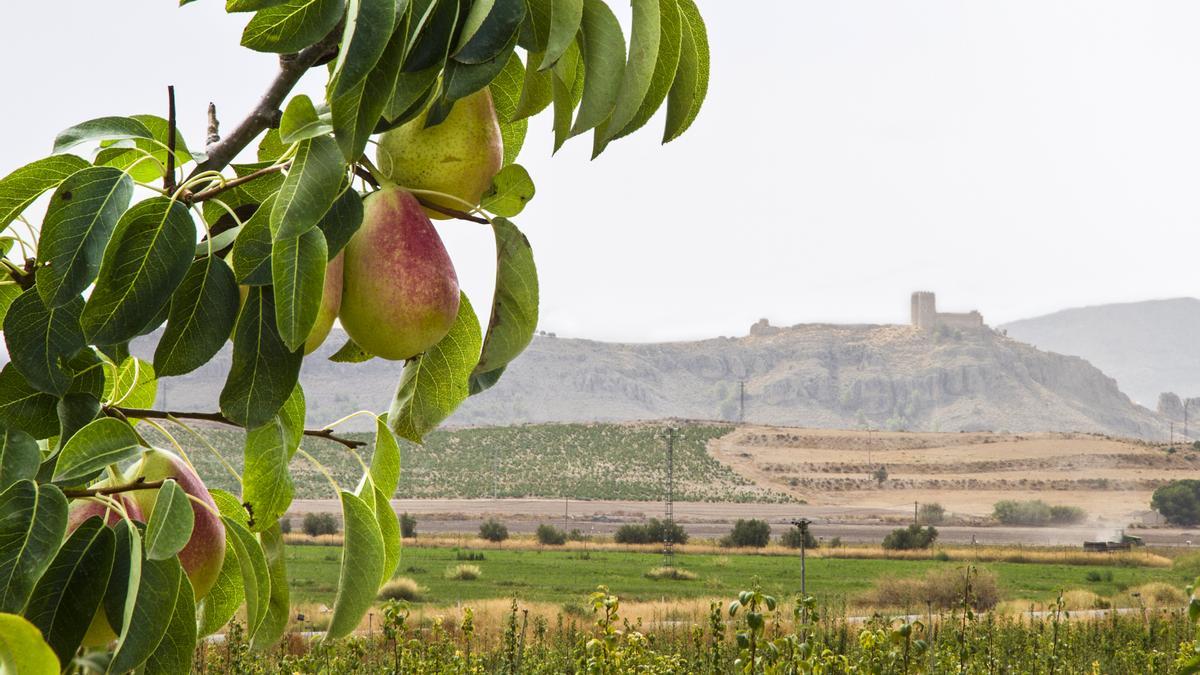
(147, 413)
(138, 484)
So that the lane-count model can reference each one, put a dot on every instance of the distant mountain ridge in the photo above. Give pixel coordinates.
(1148, 347)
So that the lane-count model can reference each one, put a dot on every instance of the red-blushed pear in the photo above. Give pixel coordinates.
(204, 553)
(331, 302)
(99, 632)
(399, 289)
(459, 156)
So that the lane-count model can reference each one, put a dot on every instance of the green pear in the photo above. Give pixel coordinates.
(331, 302)
(399, 290)
(204, 553)
(460, 156)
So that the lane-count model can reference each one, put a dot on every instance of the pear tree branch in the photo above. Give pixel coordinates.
(139, 484)
(147, 413)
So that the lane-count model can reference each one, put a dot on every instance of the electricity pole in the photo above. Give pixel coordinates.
(668, 538)
(741, 401)
(802, 524)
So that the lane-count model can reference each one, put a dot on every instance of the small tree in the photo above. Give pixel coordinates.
(880, 475)
(910, 538)
(550, 535)
(752, 533)
(653, 531)
(285, 525)
(931, 513)
(408, 526)
(316, 524)
(493, 530)
(1178, 502)
(793, 536)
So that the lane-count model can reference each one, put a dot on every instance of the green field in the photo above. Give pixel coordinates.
(568, 576)
(580, 461)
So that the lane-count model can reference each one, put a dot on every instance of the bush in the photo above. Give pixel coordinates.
(408, 526)
(910, 538)
(753, 533)
(943, 587)
(493, 530)
(316, 524)
(401, 588)
(791, 538)
(653, 531)
(577, 535)
(285, 525)
(464, 573)
(836, 542)
(880, 475)
(671, 573)
(1178, 502)
(550, 535)
(468, 554)
(1036, 513)
(931, 514)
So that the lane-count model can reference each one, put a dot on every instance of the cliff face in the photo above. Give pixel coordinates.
(811, 375)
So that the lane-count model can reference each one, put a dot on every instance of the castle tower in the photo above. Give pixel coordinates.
(924, 311)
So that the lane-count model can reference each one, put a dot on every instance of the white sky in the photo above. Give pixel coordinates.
(1017, 157)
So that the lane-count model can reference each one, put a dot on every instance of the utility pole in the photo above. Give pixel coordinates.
(870, 442)
(566, 512)
(1172, 433)
(741, 401)
(1185, 420)
(668, 539)
(802, 524)
(915, 511)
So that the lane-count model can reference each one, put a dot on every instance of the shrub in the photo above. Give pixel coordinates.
(753, 533)
(910, 538)
(401, 588)
(671, 573)
(943, 587)
(408, 526)
(791, 538)
(316, 524)
(1067, 515)
(550, 535)
(1096, 576)
(468, 554)
(1178, 502)
(653, 531)
(463, 573)
(931, 513)
(836, 542)
(493, 530)
(1036, 513)
(577, 535)
(880, 475)
(285, 525)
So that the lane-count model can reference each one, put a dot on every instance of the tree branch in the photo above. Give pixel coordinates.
(266, 114)
(169, 175)
(454, 213)
(147, 413)
(214, 126)
(232, 183)
(140, 484)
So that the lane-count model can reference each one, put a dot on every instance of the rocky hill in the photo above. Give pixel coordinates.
(843, 376)
(1148, 347)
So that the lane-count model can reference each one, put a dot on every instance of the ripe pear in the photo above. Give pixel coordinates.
(459, 156)
(204, 553)
(331, 302)
(399, 289)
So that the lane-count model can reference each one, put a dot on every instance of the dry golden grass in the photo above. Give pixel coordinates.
(1154, 594)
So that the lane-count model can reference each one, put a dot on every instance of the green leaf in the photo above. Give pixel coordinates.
(251, 256)
(19, 456)
(271, 147)
(33, 519)
(256, 575)
(79, 221)
(385, 462)
(121, 594)
(19, 188)
(149, 254)
(8, 293)
(537, 89)
(23, 651)
(263, 370)
(70, 591)
(512, 135)
(178, 646)
(311, 185)
(291, 420)
(300, 121)
(40, 340)
(341, 221)
(132, 384)
(266, 482)
(105, 441)
(147, 160)
(566, 16)
(224, 598)
(691, 80)
(604, 64)
(670, 44)
(25, 408)
(298, 273)
(568, 89)
(361, 569)
(489, 26)
(367, 30)
(171, 523)
(511, 189)
(639, 71)
(506, 88)
(249, 5)
(100, 129)
(292, 25)
(75, 411)
(514, 306)
(203, 312)
(347, 353)
(435, 383)
(460, 80)
(431, 35)
(279, 603)
(157, 592)
(389, 529)
(358, 110)
(229, 506)
(412, 92)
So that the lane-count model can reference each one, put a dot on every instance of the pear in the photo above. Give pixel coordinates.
(204, 553)
(459, 156)
(399, 290)
(331, 302)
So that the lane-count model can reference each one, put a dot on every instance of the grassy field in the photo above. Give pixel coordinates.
(567, 576)
(580, 461)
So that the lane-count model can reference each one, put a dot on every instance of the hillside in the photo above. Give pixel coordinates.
(1148, 347)
(834, 376)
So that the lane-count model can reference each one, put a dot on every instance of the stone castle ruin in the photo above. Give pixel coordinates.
(925, 316)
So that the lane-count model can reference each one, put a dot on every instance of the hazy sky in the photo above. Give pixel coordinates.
(1016, 157)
